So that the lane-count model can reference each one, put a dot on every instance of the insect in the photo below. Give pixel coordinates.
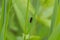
(31, 19)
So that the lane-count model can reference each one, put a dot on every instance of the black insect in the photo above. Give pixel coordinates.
(31, 19)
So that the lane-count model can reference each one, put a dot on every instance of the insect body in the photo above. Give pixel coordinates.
(31, 19)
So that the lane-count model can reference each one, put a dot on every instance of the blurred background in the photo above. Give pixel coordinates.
(29, 19)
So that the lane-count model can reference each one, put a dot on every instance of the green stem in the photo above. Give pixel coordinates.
(54, 18)
(5, 18)
(26, 20)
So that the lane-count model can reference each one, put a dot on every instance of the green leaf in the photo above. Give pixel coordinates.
(55, 35)
(55, 25)
(35, 38)
(21, 13)
(10, 36)
(20, 16)
(56, 16)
